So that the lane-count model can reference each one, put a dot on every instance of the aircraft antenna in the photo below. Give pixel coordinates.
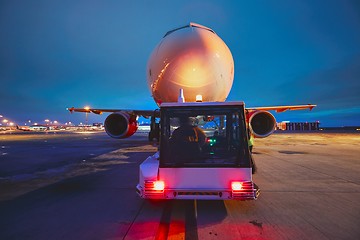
(181, 98)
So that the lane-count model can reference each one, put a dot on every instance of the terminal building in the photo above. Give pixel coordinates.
(298, 126)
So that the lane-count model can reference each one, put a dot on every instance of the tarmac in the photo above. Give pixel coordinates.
(82, 186)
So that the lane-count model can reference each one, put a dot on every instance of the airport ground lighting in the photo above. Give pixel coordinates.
(7, 122)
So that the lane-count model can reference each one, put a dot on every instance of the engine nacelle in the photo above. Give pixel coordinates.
(120, 125)
(262, 123)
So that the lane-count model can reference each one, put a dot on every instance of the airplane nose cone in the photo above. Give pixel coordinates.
(190, 70)
(193, 59)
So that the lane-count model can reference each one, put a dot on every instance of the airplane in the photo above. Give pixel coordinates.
(194, 60)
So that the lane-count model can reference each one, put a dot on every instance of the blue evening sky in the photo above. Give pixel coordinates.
(58, 54)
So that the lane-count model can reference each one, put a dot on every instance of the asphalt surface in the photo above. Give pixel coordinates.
(82, 186)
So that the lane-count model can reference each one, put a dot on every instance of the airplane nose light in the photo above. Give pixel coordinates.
(199, 98)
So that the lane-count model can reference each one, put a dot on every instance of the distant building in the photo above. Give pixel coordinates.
(38, 128)
(298, 126)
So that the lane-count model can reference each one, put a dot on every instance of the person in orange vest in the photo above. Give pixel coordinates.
(251, 141)
(251, 144)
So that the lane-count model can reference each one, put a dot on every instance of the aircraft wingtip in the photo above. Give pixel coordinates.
(311, 106)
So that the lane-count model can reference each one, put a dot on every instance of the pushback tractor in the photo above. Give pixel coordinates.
(203, 154)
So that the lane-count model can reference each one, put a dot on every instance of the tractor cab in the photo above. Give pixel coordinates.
(204, 154)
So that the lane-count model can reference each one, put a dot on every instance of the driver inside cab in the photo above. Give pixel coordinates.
(186, 141)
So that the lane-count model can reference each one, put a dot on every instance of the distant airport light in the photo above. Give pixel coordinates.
(5, 121)
(86, 107)
(199, 98)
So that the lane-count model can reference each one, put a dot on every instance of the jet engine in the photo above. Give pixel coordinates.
(120, 125)
(262, 123)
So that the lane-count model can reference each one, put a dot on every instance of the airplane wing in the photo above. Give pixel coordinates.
(148, 113)
(144, 113)
(283, 108)
(257, 127)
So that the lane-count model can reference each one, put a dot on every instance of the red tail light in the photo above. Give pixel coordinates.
(159, 185)
(244, 190)
(236, 186)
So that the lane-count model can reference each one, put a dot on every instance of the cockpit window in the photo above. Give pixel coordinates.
(187, 26)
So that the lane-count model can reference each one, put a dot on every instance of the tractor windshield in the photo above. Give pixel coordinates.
(203, 137)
